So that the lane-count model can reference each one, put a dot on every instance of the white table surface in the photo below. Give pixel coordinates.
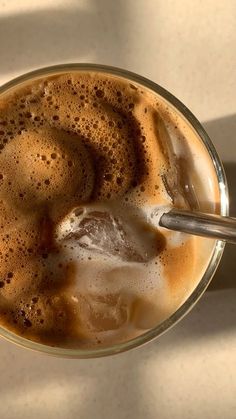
(189, 47)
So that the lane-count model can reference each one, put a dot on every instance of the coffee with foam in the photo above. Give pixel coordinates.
(83, 155)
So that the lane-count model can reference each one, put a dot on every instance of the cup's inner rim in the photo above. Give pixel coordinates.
(219, 245)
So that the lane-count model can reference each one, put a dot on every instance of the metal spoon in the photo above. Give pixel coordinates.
(200, 224)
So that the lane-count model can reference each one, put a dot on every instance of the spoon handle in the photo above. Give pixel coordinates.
(200, 224)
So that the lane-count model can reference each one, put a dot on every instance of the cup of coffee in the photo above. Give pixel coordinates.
(86, 151)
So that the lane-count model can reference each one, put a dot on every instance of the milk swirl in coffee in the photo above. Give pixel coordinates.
(84, 155)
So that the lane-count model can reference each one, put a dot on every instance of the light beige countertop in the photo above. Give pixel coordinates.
(188, 47)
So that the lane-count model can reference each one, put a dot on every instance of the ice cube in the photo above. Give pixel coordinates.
(104, 312)
(99, 230)
(178, 178)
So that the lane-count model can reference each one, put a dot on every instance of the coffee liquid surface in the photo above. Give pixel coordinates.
(82, 157)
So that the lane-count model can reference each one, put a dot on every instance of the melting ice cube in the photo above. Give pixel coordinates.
(99, 230)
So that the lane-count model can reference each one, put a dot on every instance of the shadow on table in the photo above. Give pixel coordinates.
(81, 32)
(31, 381)
(222, 132)
(116, 386)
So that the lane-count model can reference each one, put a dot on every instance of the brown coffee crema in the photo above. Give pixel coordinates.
(73, 141)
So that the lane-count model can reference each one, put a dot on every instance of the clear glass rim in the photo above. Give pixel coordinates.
(219, 245)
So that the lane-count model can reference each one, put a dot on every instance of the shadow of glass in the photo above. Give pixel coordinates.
(222, 132)
(90, 31)
(213, 315)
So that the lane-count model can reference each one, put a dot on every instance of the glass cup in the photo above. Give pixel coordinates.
(223, 210)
